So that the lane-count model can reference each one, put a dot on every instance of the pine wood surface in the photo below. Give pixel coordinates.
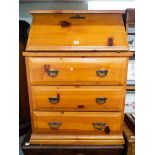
(82, 98)
(53, 149)
(130, 140)
(77, 11)
(101, 44)
(78, 54)
(78, 71)
(75, 139)
(90, 31)
(76, 121)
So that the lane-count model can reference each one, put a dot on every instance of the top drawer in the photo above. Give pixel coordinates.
(77, 71)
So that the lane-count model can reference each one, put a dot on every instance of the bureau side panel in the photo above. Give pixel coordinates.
(29, 90)
(124, 92)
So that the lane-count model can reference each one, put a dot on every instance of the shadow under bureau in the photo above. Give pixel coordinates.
(77, 70)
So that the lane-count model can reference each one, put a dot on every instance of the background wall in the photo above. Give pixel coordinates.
(25, 7)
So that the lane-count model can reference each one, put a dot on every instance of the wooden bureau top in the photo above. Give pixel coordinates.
(76, 54)
(77, 11)
(77, 30)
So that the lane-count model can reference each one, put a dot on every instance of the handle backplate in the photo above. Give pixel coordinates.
(101, 73)
(55, 125)
(50, 72)
(99, 125)
(54, 99)
(101, 100)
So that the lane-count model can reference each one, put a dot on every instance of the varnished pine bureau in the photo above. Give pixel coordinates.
(77, 70)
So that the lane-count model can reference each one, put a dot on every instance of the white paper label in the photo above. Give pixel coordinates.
(76, 42)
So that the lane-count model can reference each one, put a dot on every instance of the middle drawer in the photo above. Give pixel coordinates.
(91, 98)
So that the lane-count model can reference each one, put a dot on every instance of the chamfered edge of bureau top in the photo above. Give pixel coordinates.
(78, 48)
(76, 54)
(77, 11)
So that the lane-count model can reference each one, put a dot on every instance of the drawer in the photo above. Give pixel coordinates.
(90, 122)
(77, 71)
(94, 98)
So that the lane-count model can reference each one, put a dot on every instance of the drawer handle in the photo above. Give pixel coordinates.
(101, 100)
(101, 73)
(54, 99)
(98, 125)
(50, 72)
(55, 125)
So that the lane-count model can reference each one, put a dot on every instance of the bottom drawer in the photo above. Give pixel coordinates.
(93, 122)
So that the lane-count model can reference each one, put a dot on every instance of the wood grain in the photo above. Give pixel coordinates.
(90, 31)
(78, 54)
(35, 48)
(77, 139)
(78, 71)
(76, 11)
(130, 88)
(130, 140)
(82, 98)
(76, 121)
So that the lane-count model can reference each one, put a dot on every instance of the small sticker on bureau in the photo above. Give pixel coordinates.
(76, 42)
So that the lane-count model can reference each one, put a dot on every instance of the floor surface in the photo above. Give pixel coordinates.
(20, 141)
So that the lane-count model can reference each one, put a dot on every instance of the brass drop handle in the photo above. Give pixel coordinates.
(101, 100)
(55, 125)
(51, 72)
(101, 73)
(99, 125)
(54, 99)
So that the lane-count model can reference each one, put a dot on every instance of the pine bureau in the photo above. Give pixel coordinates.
(77, 70)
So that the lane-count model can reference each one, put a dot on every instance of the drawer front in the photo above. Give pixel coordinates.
(77, 71)
(93, 122)
(107, 98)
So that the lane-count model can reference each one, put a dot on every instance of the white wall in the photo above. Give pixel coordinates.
(111, 4)
(25, 7)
